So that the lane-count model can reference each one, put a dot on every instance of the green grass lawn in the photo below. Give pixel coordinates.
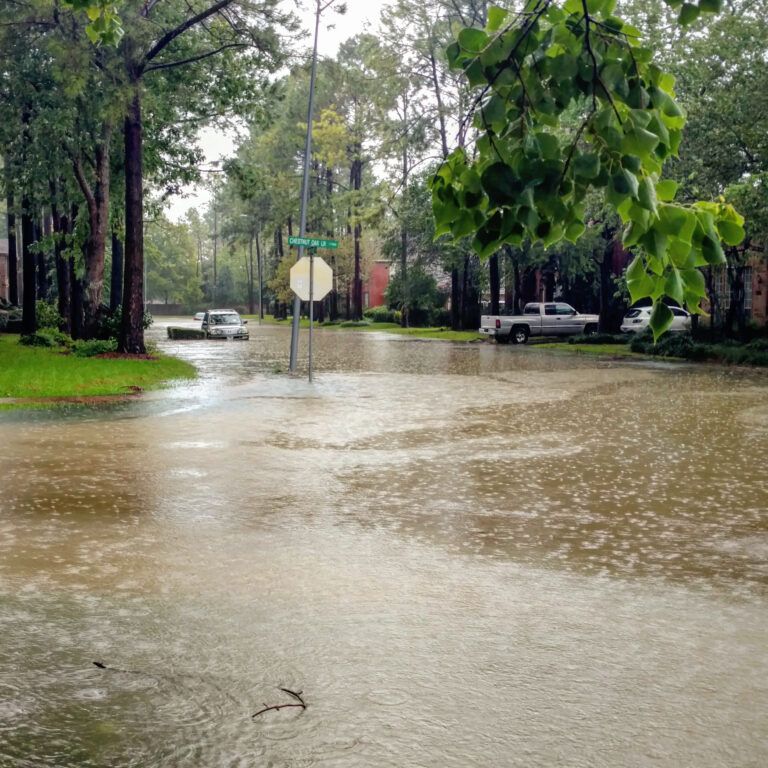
(446, 334)
(34, 373)
(610, 350)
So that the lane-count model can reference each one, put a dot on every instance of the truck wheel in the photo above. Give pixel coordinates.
(590, 330)
(519, 335)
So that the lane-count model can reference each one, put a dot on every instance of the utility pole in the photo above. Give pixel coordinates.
(319, 8)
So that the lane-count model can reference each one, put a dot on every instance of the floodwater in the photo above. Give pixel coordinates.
(462, 555)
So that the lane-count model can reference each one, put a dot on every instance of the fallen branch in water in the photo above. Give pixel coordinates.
(102, 665)
(276, 707)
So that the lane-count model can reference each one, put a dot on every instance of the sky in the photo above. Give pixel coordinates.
(334, 29)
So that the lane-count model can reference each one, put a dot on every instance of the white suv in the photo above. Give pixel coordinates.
(637, 319)
(224, 324)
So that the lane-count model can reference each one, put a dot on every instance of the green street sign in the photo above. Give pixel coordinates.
(313, 242)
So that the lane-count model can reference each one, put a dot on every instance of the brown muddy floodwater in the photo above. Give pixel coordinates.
(463, 555)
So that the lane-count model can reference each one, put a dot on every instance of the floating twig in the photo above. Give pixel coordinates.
(295, 694)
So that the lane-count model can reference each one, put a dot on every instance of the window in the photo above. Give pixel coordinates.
(565, 309)
(550, 309)
(723, 289)
(531, 309)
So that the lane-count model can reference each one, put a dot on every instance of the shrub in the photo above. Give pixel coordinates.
(48, 315)
(600, 338)
(441, 317)
(94, 347)
(354, 324)
(46, 337)
(185, 334)
(382, 315)
(758, 345)
(674, 345)
(109, 324)
(642, 342)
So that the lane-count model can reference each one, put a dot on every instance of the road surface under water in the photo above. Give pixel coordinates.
(462, 555)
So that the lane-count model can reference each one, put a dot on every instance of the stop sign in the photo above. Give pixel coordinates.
(322, 278)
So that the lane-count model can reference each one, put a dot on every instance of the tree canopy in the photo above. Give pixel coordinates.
(567, 99)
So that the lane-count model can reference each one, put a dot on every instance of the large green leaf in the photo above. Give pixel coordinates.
(472, 40)
(587, 165)
(661, 319)
(731, 232)
(496, 17)
(501, 184)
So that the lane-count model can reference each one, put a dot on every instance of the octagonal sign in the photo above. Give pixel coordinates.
(322, 282)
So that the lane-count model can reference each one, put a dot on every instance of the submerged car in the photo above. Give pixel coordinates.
(637, 320)
(224, 324)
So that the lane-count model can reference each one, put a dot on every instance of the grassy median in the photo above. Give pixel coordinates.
(444, 334)
(31, 375)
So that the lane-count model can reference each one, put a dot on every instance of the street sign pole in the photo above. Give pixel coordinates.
(305, 187)
(311, 304)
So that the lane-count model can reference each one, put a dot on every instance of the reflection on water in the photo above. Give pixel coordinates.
(463, 555)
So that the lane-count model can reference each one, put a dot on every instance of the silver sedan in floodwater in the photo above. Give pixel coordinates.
(224, 324)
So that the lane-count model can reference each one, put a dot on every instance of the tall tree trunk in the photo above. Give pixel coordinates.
(116, 276)
(61, 228)
(40, 229)
(735, 315)
(132, 325)
(439, 99)
(76, 283)
(13, 258)
(28, 266)
(356, 173)
(261, 277)
(455, 300)
(97, 200)
(605, 284)
(493, 269)
(714, 303)
(249, 272)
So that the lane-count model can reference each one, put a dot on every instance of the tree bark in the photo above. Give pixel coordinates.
(455, 300)
(61, 228)
(76, 284)
(356, 173)
(13, 263)
(97, 200)
(261, 277)
(132, 326)
(605, 284)
(39, 229)
(116, 276)
(249, 272)
(493, 269)
(28, 266)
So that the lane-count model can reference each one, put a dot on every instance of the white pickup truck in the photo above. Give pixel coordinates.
(538, 319)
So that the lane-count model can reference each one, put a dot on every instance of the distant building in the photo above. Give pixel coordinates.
(375, 287)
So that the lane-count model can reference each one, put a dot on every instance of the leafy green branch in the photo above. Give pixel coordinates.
(570, 102)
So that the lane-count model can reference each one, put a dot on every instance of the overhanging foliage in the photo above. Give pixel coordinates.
(567, 100)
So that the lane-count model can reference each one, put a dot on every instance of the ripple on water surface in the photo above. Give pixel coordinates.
(462, 555)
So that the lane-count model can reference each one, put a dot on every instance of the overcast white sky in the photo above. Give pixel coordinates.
(334, 29)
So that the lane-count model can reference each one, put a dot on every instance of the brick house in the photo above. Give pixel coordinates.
(375, 287)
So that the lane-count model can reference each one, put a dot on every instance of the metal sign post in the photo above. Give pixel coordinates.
(319, 8)
(311, 279)
(312, 252)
